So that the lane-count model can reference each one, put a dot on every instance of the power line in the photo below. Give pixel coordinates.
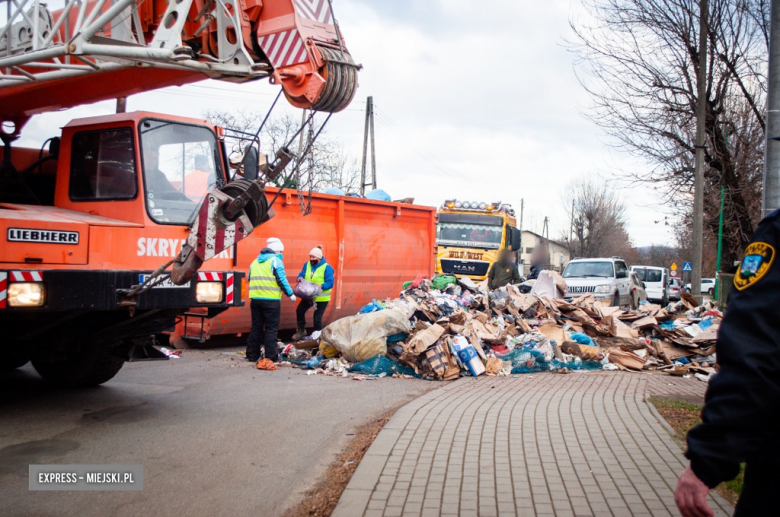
(387, 122)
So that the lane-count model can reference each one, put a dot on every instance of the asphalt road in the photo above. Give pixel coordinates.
(214, 435)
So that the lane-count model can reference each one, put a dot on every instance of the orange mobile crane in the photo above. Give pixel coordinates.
(75, 297)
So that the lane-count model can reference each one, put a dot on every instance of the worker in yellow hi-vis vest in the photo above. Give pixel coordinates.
(267, 282)
(318, 271)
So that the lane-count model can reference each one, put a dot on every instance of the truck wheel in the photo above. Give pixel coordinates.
(634, 303)
(91, 366)
(616, 300)
(12, 362)
(711, 291)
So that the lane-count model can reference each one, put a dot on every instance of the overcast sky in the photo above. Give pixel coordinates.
(474, 100)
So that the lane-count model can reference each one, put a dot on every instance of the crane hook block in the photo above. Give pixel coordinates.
(226, 216)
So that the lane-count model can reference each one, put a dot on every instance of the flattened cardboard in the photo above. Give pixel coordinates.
(425, 338)
(626, 359)
(647, 321)
(553, 332)
(672, 353)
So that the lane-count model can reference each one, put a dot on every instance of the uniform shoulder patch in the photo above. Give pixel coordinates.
(759, 257)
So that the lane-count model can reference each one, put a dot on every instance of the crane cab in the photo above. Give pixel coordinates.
(112, 201)
(139, 167)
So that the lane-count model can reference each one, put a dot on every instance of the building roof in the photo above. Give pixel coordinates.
(550, 240)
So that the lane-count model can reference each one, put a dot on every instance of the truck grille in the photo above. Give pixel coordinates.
(578, 289)
(464, 267)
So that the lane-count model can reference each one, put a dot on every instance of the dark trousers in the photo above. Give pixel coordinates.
(758, 496)
(305, 305)
(265, 325)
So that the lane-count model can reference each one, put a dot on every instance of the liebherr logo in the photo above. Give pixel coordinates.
(42, 235)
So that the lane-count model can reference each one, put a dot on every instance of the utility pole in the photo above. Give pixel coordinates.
(520, 256)
(571, 225)
(698, 187)
(522, 206)
(369, 129)
(770, 199)
(546, 241)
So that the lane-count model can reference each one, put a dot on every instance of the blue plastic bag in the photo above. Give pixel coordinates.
(334, 191)
(582, 339)
(378, 195)
(372, 307)
(314, 362)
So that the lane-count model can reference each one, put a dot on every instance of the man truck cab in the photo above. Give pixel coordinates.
(78, 237)
(469, 236)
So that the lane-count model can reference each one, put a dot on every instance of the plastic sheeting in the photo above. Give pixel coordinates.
(535, 359)
(380, 364)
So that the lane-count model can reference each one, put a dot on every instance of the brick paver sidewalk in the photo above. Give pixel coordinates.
(546, 444)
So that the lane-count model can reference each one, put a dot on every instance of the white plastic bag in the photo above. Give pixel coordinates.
(548, 285)
(363, 336)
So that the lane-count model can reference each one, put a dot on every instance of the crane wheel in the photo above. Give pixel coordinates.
(90, 366)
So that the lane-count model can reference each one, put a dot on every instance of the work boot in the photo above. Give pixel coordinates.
(300, 334)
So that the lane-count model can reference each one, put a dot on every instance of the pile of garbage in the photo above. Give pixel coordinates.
(444, 328)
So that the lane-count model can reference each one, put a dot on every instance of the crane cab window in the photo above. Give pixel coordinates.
(102, 166)
(180, 166)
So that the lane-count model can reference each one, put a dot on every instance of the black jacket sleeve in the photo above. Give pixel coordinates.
(742, 403)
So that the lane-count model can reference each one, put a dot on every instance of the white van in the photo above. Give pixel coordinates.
(656, 281)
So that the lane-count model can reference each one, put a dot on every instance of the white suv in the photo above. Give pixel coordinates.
(604, 278)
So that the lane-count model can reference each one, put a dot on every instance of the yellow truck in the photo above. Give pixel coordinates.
(469, 235)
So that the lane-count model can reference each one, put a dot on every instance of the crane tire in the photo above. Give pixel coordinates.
(12, 362)
(91, 366)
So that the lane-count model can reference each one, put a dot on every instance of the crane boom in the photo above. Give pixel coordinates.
(102, 49)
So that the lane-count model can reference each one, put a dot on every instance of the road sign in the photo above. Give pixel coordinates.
(673, 273)
(674, 266)
(687, 267)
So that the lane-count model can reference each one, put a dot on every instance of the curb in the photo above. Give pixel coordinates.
(662, 421)
(354, 499)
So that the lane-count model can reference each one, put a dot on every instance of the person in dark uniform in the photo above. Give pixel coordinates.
(741, 414)
(503, 271)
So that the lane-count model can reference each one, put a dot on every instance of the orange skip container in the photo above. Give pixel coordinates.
(373, 246)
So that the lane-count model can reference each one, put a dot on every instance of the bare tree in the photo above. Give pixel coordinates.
(598, 224)
(638, 59)
(325, 165)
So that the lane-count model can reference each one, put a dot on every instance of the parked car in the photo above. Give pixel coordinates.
(656, 281)
(605, 278)
(638, 293)
(707, 286)
(675, 289)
